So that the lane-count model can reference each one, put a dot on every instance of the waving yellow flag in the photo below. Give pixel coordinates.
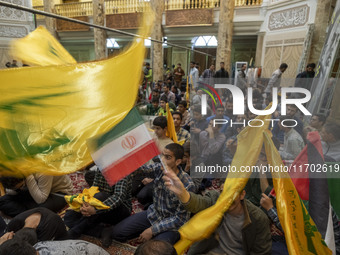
(203, 224)
(41, 48)
(47, 113)
(300, 230)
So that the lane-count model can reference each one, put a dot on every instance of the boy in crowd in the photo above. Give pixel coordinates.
(166, 215)
(182, 108)
(244, 228)
(181, 133)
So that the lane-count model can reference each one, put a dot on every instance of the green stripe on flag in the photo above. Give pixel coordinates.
(333, 175)
(131, 121)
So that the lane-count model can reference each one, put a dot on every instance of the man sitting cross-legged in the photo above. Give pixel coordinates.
(117, 197)
(163, 218)
(243, 230)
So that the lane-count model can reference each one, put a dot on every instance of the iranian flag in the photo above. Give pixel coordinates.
(124, 148)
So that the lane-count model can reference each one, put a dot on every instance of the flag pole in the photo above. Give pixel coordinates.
(165, 169)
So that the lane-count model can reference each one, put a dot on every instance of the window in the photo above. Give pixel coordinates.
(204, 41)
(111, 43)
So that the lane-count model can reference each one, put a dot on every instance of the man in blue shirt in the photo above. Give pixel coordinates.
(220, 115)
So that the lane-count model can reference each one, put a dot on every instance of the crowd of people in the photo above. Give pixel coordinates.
(167, 186)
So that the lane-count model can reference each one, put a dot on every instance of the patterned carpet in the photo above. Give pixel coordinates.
(117, 248)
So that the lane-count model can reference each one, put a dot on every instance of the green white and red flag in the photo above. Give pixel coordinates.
(124, 148)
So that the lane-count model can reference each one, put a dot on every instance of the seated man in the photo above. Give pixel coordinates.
(330, 134)
(220, 116)
(181, 133)
(144, 195)
(152, 108)
(162, 106)
(166, 215)
(117, 197)
(293, 141)
(37, 190)
(182, 108)
(47, 224)
(243, 230)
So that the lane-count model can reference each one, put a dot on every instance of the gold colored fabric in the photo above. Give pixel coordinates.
(40, 48)
(47, 113)
(170, 132)
(187, 95)
(2, 190)
(204, 223)
(76, 201)
(300, 230)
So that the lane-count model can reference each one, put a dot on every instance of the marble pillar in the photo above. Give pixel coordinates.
(157, 33)
(99, 34)
(225, 34)
(50, 23)
(324, 8)
(259, 49)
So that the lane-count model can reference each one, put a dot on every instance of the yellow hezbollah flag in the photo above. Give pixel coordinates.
(300, 230)
(171, 132)
(76, 201)
(187, 92)
(203, 224)
(41, 48)
(48, 113)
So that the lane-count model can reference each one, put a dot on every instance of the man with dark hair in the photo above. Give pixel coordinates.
(144, 195)
(159, 125)
(151, 109)
(244, 228)
(169, 94)
(211, 142)
(220, 116)
(178, 73)
(315, 124)
(330, 134)
(182, 108)
(148, 71)
(166, 215)
(275, 80)
(155, 93)
(229, 106)
(27, 234)
(222, 73)
(293, 141)
(241, 81)
(198, 124)
(317, 121)
(181, 133)
(155, 247)
(291, 111)
(305, 78)
(208, 75)
(17, 246)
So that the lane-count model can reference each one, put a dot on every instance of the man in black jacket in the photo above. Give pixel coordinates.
(222, 73)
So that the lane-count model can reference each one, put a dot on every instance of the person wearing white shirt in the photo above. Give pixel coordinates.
(193, 80)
